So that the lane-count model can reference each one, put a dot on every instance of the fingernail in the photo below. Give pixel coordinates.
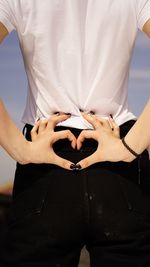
(78, 167)
(92, 112)
(73, 166)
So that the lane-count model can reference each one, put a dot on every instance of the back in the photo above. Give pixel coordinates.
(77, 54)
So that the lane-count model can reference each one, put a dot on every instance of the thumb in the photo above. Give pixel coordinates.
(61, 162)
(86, 162)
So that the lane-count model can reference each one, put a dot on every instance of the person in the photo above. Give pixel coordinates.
(77, 56)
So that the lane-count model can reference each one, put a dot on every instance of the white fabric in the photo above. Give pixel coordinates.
(77, 54)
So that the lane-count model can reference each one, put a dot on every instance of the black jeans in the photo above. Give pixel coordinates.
(55, 212)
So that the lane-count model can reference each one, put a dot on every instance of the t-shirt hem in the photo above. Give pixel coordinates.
(83, 124)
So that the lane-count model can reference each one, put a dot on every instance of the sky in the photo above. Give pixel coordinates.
(13, 87)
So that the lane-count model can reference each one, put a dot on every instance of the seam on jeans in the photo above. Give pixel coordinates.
(139, 170)
(127, 203)
(86, 200)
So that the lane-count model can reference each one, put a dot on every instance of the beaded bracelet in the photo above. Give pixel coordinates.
(129, 148)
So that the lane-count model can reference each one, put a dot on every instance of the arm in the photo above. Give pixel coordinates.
(133, 138)
(3, 32)
(10, 136)
(139, 135)
(138, 138)
(146, 28)
(11, 139)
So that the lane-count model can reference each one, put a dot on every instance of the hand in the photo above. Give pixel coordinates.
(106, 133)
(43, 137)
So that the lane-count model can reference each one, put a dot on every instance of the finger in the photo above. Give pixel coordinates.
(34, 131)
(94, 158)
(91, 119)
(63, 135)
(115, 127)
(55, 119)
(105, 123)
(86, 134)
(42, 125)
(63, 163)
(117, 131)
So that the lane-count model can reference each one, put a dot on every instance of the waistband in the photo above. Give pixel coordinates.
(88, 144)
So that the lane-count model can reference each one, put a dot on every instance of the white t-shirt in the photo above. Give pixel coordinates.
(77, 54)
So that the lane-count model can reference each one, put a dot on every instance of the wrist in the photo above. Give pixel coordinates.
(25, 153)
(125, 154)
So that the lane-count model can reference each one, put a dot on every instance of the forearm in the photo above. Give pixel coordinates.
(138, 138)
(11, 139)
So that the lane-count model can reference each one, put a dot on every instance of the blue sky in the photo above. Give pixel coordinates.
(13, 86)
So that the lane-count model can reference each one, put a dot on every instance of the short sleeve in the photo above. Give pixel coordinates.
(143, 12)
(6, 15)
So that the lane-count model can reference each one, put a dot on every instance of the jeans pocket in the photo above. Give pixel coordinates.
(137, 201)
(29, 202)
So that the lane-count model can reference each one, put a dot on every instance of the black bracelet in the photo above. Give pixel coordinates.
(129, 148)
